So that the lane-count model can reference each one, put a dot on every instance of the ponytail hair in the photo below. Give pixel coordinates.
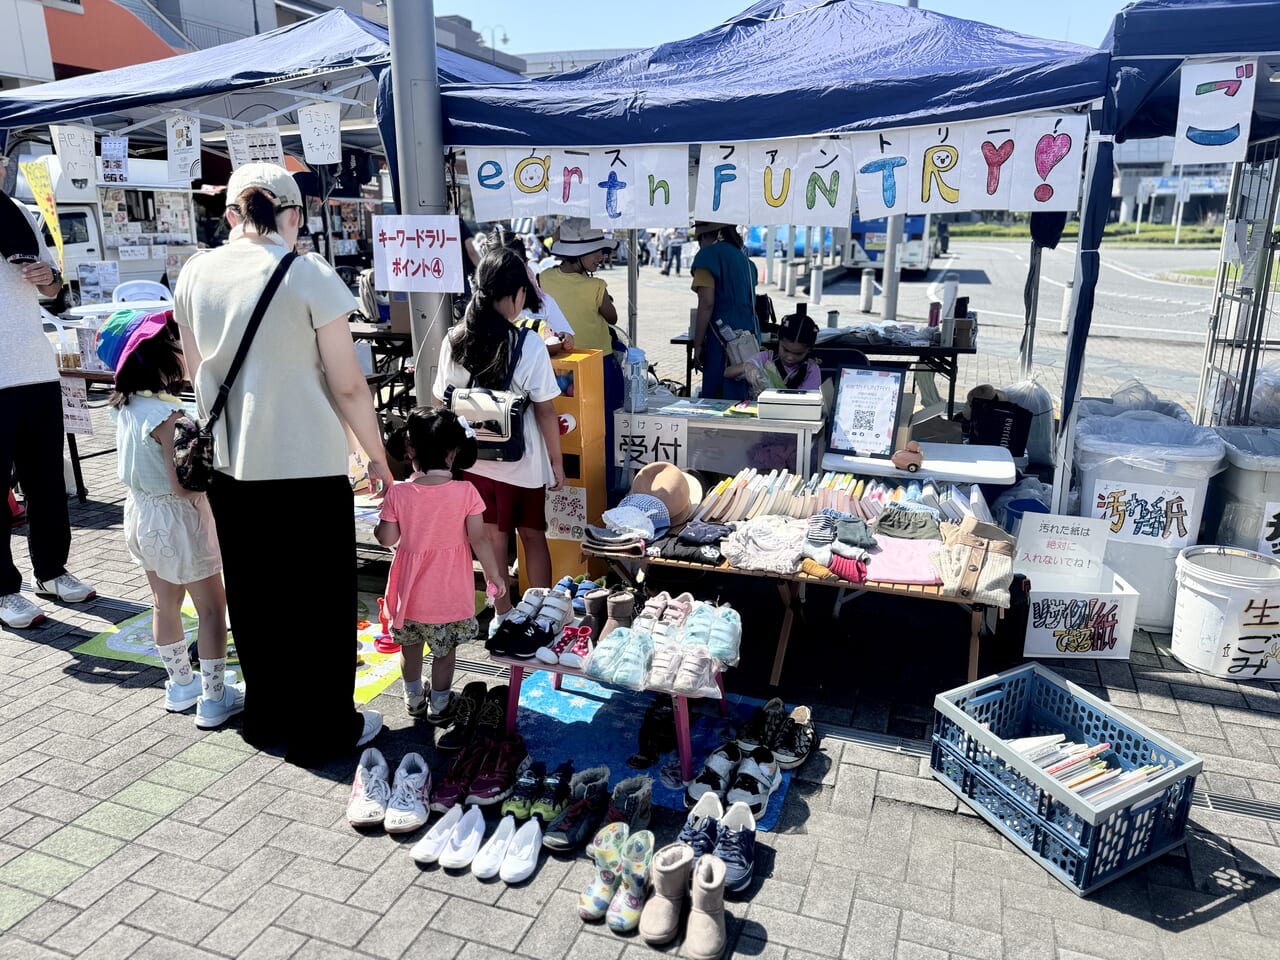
(257, 208)
(482, 342)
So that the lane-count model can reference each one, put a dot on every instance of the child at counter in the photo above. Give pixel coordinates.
(789, 367)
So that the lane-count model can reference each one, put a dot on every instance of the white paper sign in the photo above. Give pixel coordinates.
(1215, 106)
(319, 126)
(74, 147)
(570, 196)
(934, 169)
(866, 413)
(141, 251)
(662, 175)
(98, 278)
(182, 131)
(490, 193)
(1269, 534)
(567, 513)
(1144, 512)
(770, 169)
(76, 417)
(530, 179)
(880, 169)
(986, 163)
(1046, 168)
(251, 146)
(417, 253)
(644, 438)
(614, 188)
(1061, 546)
(723, 183)
(115, 159)
(823, 186)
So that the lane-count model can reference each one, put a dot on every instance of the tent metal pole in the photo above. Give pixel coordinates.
(889, 281)
(420, 146)
(1031, 300)
(633, 284)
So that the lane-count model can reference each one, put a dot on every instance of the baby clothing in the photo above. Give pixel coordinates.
(432, 579)
(905, 524)
(903, 561)
(976, 562)
(770, 543)
(167, 534)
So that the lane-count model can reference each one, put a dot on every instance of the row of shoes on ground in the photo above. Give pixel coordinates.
(791, 738)
(210, 713)
(398, 806)
(626, 864)
(456, 841)
(734, 775)
(729, 834)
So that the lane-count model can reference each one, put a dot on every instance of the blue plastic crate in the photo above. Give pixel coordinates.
(1085, 845)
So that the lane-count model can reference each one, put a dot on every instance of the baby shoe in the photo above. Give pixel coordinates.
(665, 666)
(696, 676)
(606, 850)
(516, 620)
(678, 610)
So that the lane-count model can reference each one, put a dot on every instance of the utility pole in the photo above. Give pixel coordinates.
(420, 147)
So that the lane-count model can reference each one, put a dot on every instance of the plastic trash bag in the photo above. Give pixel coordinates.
(1131, 396)
(1030, 395)
(1150, 441)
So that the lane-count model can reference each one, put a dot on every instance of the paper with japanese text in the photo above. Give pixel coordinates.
(642, 438)
(419, 253)
(1147, 513)
(1060, 546)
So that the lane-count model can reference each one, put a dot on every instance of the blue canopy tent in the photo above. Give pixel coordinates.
(784, 68)
(1148, 43)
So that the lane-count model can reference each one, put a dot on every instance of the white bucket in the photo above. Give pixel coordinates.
(1226, 619)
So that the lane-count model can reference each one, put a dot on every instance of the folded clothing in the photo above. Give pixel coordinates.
(815, 569)
(773, 544)
(904, 561)
(904, 524)
(821, 529)
(855, 571)
(698, 532)
(673, 548)
(601, 541)
(853, 532)
(976, 562)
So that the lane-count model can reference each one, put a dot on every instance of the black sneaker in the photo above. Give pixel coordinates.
(554, 797)
(491, 719)
(797, 740)
(464, 718)
(764, 726)
(528, 788)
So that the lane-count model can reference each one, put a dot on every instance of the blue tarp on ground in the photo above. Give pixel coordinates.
(784, 68)
(319, 45)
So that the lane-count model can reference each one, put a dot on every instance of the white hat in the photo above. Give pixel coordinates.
(577, 238)
(271, 177)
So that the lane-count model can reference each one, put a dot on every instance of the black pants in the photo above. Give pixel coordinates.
(289, 563)
(31, 434)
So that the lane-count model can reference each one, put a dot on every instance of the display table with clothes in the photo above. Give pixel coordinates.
(916, 540)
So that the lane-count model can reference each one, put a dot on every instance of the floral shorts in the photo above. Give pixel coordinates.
(441, 638)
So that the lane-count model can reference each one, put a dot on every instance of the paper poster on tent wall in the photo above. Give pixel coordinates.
(74, 146)
(722, 183)
(933, 169)
(1215, 105)
(115, 159)
(614, 187)
(771, 179)
(490, 193)
(260, 145)
(570, 193)
(663, 186)
(822, 183)
(986, 163)
(1046, 169)
(319, 125)
(530, 181)
(182, 132)
(880, 165)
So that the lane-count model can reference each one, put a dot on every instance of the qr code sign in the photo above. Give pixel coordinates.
(862, 421)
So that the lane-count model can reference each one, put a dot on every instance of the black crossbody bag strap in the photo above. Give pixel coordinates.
(255, 321)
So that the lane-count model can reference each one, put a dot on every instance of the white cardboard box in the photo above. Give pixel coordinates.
(1069, 621)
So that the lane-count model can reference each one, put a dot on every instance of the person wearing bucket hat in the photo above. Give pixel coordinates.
(170, 532)
(725, 281)
(31, 428)
(280, 459)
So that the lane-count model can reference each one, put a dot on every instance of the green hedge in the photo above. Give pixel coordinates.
(1151, 232)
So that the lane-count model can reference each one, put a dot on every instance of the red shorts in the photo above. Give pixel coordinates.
(511, 507)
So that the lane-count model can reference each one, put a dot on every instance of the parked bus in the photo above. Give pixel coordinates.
(915, 255)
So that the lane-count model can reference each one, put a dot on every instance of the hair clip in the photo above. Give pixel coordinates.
(466, 428)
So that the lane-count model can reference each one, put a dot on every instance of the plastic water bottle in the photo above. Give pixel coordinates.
(637, 384)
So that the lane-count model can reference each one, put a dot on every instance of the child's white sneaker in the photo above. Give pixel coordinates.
(370, 791)
(214, 713)
(181, 696)
(407, 810)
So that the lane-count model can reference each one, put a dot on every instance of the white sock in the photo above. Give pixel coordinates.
(439, 700)
(211, 684)
(177, 662)
(413, 687)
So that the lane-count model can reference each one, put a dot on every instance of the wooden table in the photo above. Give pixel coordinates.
(789, 586)
(516, 670)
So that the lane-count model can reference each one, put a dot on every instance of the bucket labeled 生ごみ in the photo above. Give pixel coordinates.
(1226, 618)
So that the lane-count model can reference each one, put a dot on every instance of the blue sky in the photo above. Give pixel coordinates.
(532, 27)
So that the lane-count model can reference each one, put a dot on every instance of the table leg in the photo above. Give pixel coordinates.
(789, 590)
(683, 744)
(81, 493)
(954, 369)
(515, 677)
(724, 707)
(688, 368)
(975, 633)
(555, 680)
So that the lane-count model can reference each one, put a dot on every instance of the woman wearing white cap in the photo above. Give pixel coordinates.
(280, 497)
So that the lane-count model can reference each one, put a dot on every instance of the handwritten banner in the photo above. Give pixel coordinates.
(41, 186)
(1215, 106)
(319, 126)
(1144, 512)
(74, 146)
(1024, 163)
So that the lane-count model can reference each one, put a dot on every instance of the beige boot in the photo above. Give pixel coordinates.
(620, 608)
(660, 920)
(705, 936)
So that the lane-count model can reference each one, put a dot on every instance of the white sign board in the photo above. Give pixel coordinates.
(74, 147)
(1144, 513)
(1215, 106)
(1057, 546)
(98, 278)
(75, 406)
(252, 146)
(567, 513)
(139, 251)
(115, 159)
(182, 132)
(321, 134)
(866, 411)
(645, 438)
(417, 253)
(87, 343)
(1078, 621)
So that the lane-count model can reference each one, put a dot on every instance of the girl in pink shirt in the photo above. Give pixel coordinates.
(435, 521)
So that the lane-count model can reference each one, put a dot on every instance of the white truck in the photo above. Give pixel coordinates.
(146, 225)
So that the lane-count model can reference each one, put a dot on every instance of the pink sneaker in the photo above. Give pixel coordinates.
(550, 653)
(578, 653)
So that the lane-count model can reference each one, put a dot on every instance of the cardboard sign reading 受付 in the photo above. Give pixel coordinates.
(417, 253)
(1060, 546)
(645, 438)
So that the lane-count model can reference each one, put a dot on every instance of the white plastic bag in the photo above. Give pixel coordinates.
(1030, 395)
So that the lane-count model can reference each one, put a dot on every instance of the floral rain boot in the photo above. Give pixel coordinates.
(606, 850)
(624, 909)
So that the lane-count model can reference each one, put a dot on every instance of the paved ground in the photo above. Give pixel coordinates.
(125, 832)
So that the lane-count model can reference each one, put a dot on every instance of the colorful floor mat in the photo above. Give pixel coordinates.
(593, 724)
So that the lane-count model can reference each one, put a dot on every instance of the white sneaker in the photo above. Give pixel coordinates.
(214, 713)
(66, 588)
(427, 850)
(464, 842)
(372, 726)
(407, 810)
(522, 854)
(369, 791)
(16, 611)
(489, 860)
(755, 781)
